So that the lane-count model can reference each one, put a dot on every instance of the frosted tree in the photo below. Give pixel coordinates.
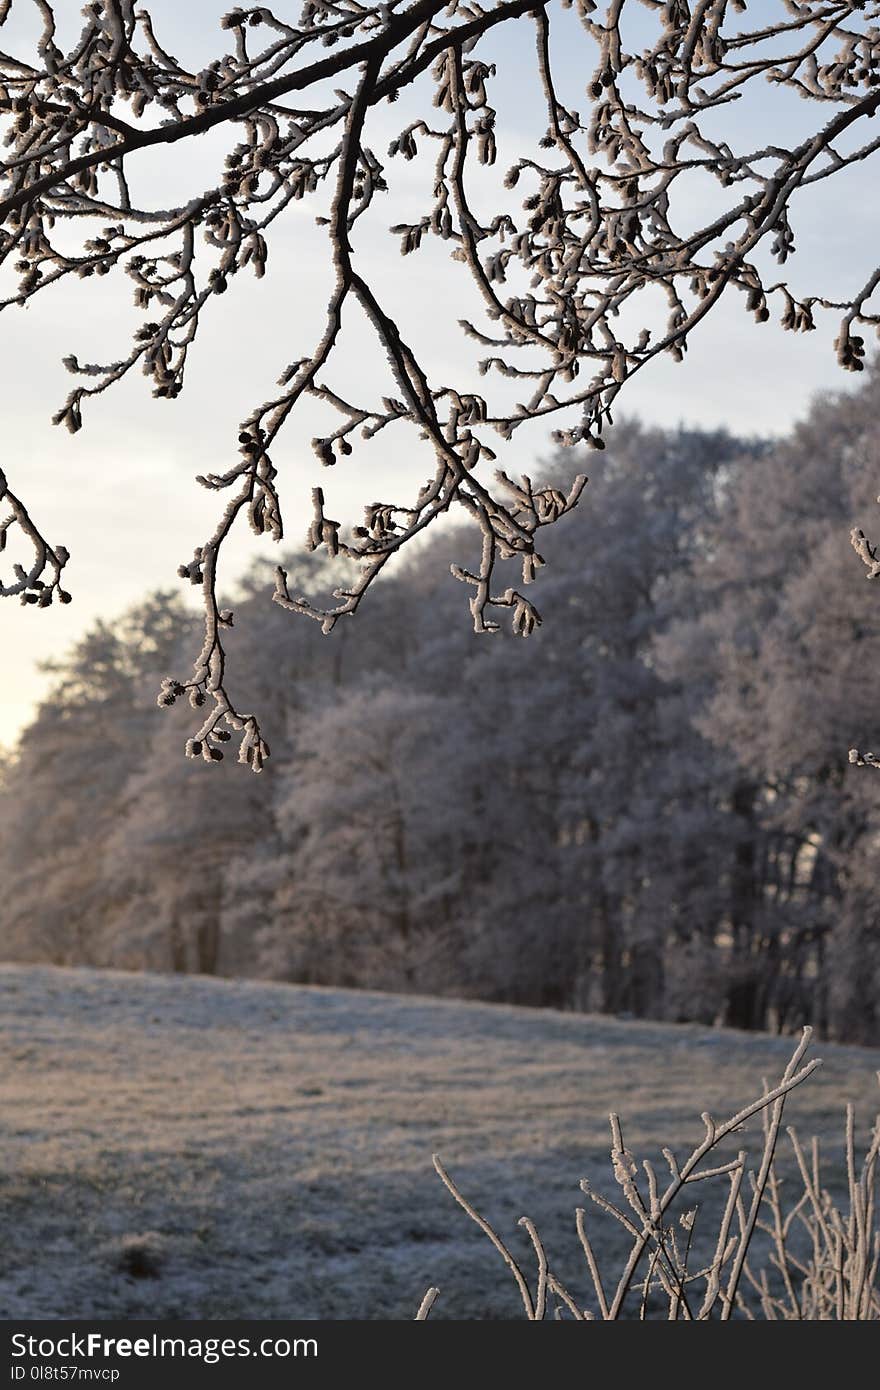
(375, 813)
(164, 894)
(780, 645)
(633, 788)
(175, 862)
(64, 788)
(588, 268)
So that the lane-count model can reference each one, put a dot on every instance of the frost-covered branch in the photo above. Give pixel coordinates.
(602, 217)
(47, 559)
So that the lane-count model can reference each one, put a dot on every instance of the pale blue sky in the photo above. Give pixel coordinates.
(121, 495)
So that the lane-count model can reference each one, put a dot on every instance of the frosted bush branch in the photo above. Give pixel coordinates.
(598, 224)
(426, 1305)
(830, 1274)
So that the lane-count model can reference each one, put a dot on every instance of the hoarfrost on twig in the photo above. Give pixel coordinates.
(598, 224)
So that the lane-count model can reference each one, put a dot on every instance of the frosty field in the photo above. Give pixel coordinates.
(183, 1147)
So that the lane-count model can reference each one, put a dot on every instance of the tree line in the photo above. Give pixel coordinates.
(647, 809)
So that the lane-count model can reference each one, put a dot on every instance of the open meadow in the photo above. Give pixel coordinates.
(183, 1147)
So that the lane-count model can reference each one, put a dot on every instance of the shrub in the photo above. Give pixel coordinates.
(807, 1260)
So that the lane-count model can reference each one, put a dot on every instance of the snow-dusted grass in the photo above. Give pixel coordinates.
(185, 1147)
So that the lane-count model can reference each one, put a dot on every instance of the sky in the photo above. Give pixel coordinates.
(120, 494)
